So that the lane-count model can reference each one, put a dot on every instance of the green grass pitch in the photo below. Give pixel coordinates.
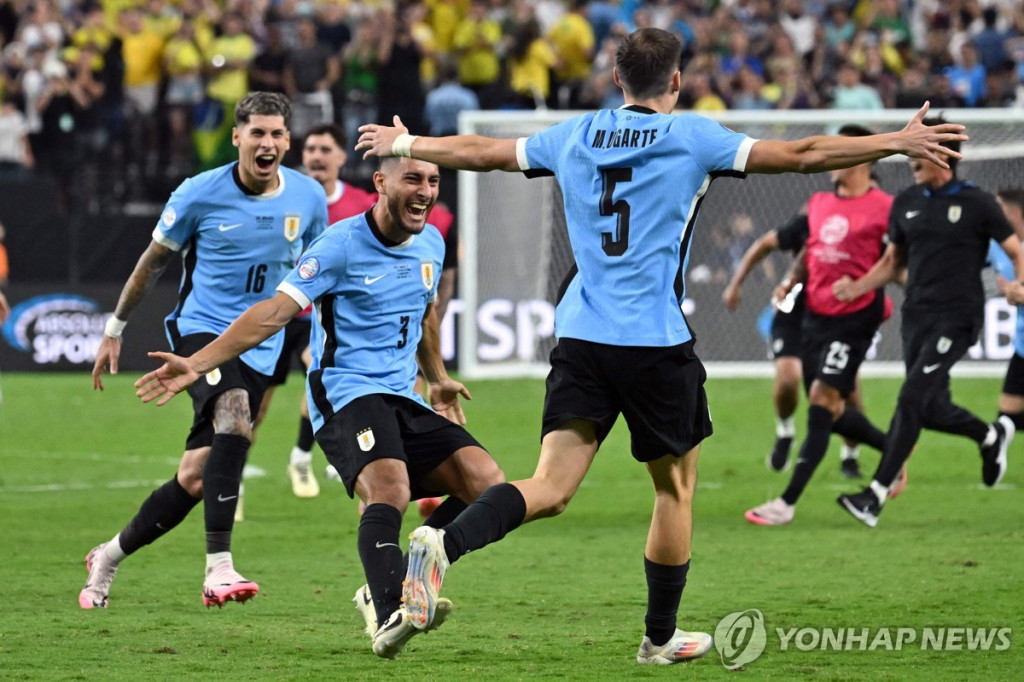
(561, 599)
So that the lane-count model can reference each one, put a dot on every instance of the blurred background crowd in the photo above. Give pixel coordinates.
(122, 93)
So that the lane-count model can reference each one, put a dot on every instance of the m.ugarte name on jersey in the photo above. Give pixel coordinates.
(623, 137)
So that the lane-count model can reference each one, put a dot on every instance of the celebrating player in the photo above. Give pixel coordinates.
(373, 281)
(239, 229)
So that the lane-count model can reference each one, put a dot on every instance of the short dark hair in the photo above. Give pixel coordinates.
(953, 145)
(855, 130)
(331, 129)
(262, 104)
(646, 60)
(1012, 195)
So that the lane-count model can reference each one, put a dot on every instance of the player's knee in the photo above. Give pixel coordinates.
(485, 474)
(191, 480)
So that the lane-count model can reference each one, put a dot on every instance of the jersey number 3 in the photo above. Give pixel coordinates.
(617, 243)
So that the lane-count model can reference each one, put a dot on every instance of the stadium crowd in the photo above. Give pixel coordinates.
(148, 86)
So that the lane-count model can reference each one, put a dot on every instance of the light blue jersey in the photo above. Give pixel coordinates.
(235, 248)
(1002, 264)
(369, 300)
(632, 182)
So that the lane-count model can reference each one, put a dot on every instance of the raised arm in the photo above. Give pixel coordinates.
(829, 152)
(148, 269)
(256, 324)
(888, 269)
(444, 391)
(756, 253)
(463, 152)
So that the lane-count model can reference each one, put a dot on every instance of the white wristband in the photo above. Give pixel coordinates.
(402, 146)
(114, 327)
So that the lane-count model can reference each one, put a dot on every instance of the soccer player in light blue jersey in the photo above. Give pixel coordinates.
(239, 229)
(1011, 400)
(632, 180)
(372, 280)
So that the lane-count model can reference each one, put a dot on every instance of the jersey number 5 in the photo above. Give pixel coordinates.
(615, 244)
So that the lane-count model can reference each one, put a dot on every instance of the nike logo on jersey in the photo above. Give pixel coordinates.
(371, 280)
(221, 498)
(224, 228)
(928, 369)
(386, 544)
(912, 214)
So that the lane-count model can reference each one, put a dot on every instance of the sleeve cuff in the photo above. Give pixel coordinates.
(739, 164)
(294, 293)
(163, 240)
(524, 163)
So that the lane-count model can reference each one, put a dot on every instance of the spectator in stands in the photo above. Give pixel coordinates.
(400, 91)
(446, 101)
(530, 60)
(266, 71)
(183, 64)
(142, 50)
(360, 65)
(309, 76)
(850, 93)
(968, 77)
(15, 151)
(573, 41)
(800, 25)
(475, 42)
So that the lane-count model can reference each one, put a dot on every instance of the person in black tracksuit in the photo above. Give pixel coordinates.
(939, 230)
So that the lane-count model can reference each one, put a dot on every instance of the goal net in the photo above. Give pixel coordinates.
(515, 250)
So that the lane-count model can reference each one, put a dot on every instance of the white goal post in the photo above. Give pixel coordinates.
(515, 253)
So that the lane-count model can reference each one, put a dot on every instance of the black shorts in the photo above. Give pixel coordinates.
(660, 392)
(383, 426)
(935, 341)
(296, 340)
(1014, 382)
(787, 334)
(232, 374)
(835, 346)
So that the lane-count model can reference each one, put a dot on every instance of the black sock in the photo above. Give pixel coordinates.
(1017, 419)
(222, 476)
(496, 513)
(381, 556)
(856, 426)
(163, 510)
(446, 512)
(306, 440)
(812, 451)
(664, 590)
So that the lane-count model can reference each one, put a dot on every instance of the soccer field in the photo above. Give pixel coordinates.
(559, 599)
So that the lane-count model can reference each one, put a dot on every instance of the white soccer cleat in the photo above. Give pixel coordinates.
(304, 484)
(97, 585)
(684, 646)
(364, 604)
(774, 513)
(427, 565)
(392, 637)
(223, 584)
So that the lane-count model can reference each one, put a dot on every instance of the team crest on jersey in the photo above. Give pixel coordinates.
(213, 377)
(427, 273)
(366, 440)
(834, 229)
(954, 213)
(944, 344)
(292, 225)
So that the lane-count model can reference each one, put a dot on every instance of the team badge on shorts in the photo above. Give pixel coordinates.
(366, 440)
(944, 344)
(213, 377)
(292, 225)
(954, 213)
